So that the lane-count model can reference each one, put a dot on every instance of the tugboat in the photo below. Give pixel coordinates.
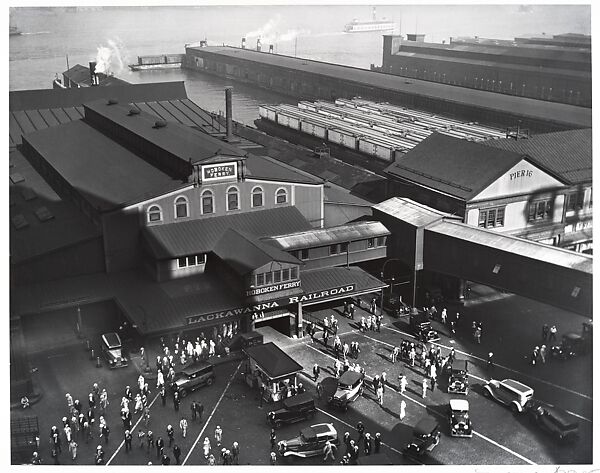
(356, 26)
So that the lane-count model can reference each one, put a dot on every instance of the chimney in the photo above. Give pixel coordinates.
(258, 46)
(93, 76)
(270, 48)
(228, 112)
(243, 43)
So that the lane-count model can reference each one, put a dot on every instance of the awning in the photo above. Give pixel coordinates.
(273, 361)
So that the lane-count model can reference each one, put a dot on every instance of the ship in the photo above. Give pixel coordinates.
(357, 26)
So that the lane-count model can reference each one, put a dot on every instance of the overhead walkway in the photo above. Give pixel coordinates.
(427, 239)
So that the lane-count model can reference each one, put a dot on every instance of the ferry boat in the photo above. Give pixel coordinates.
(356, 26)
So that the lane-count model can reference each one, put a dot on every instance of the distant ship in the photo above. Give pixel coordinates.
(356, 26)
(13, 31)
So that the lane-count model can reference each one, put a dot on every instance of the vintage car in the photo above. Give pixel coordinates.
(426, 436)
(350, 386)
(421, 327)
(554, 420)
(458, 418)
(310, 442)
(510, 393)
(192, 377)
(458, 377)
(293, 409)
(112, 350)
(572, 344)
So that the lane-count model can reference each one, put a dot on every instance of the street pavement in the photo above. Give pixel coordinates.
(511, 327)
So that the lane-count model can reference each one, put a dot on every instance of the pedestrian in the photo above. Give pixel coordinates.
(543, 354)
(160, 379)
(73, 449)
(139, 405)
(424, 384)
(545, 330)
(218, 435)
(377, 442)
(54, 455)
(176, 401)
(99, 458)
(273, 458)
(453, 327)
(69, 401)
(368, 444)
(360, 428)
(149, 440)
(316, 371)
(338, 368)
(160, 445)
(165, 460)
(193, 410)
(402, 382)
(380, 395)
(373, 307)
(104, 400)
(128, 439)
(146, 416)
(490, 360)
(319, 390)
(199, 410)
(478, 335)
(206, 447)
(553, 331)
(347, 442)
(378, 323)
(329, 451)
(351, 310)
(105, 432)
(141, 434)
(170, 434)
(355, 451)
(412, 355)
(273, 439)
(91, 400)
(176, 453)
(535, 355)
(444, 315)
(67, 430)
(402, 409)
(235, 453)
(432, 379)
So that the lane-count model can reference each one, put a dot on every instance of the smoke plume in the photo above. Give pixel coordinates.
(269, 32)
(108, 58)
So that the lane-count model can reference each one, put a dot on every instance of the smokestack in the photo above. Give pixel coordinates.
(243, 43)
(93, 76)
(258, 46)
(228, 112)
(270, 48)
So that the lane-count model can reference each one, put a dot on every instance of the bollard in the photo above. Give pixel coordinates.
(92, 354)
(98, 364)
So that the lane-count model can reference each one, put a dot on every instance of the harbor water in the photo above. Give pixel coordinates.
(115, 36)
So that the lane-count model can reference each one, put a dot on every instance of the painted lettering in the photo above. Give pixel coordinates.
(521, 173)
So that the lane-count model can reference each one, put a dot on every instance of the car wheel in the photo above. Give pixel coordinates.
(209, 381)
(514, 409)
(486, 393)
(183, 393)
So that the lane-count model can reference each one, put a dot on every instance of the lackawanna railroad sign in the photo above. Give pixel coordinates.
(312, 296)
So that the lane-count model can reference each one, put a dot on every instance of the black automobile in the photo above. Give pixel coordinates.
(426, 436)
(293, 409)
(554, 420)
(421, 327)
(112, 350)
(458, 377)
(572, 345)
(192, 377)
(350, 387)
(458, 418)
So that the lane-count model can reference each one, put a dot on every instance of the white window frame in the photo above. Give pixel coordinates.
(212, 195)
(149, 210)
(262, 194)
(285, 193)
(187, 206)
(237, 191)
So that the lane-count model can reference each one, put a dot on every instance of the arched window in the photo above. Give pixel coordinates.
(181, 207)
(281, 196)
(257, 197)
(233, 198)
(154, 213)
(207, 202)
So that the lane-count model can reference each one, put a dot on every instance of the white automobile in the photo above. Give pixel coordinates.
(510, 393)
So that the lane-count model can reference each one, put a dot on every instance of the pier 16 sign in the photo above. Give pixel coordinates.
(309, 297)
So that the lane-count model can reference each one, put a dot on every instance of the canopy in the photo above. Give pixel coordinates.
(459, 404)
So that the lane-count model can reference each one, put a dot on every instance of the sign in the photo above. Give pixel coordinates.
(521, 173)
(219, 172)
(312, 296)
(274, 288)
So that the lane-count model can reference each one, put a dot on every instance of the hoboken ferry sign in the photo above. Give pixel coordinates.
(239, 311)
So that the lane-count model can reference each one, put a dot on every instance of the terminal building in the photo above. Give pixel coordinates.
(557, 69)
(179, 231)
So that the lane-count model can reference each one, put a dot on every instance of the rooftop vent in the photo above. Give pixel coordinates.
(112, 101)
(19, 221)
(133, 111)
(160, 124)
(16, 178)
(28, 194)
(43, 214)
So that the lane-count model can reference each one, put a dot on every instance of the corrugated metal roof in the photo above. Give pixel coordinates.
(263, 167)
(536, 109)
(273, 360)
(566, 153)
(245, 253)
(453, 166)
(317, 280)
(104, 173)
(411, 212)
(201, 235)
(519, 246)
(327, 236)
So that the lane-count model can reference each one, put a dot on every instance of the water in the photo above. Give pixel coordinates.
(314, 32)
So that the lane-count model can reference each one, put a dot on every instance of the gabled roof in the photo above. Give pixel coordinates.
(411, 212)
(244, 252)
(567, 154)
(201, 235)
(327, 236)
(453, 166)
(59, 98)
(273, 361)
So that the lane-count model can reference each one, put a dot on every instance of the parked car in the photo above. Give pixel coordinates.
(458, 378)
(510, 393)
(554, 420)
(422, 329)
(192, 377)
(426, 436)
(572, 344)
(112, 350)
(310, 442)
(293, 409)
(349, 388)
(458, 418)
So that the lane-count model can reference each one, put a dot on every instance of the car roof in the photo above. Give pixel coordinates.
(322, 428)
(459, 365)
(511, 383)
(111, 339)
(194, 367)
(459, 404)
(425, 426)
(350, 377)
(561, 416)
(308, 433)
(572, 336)
(297, 400)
